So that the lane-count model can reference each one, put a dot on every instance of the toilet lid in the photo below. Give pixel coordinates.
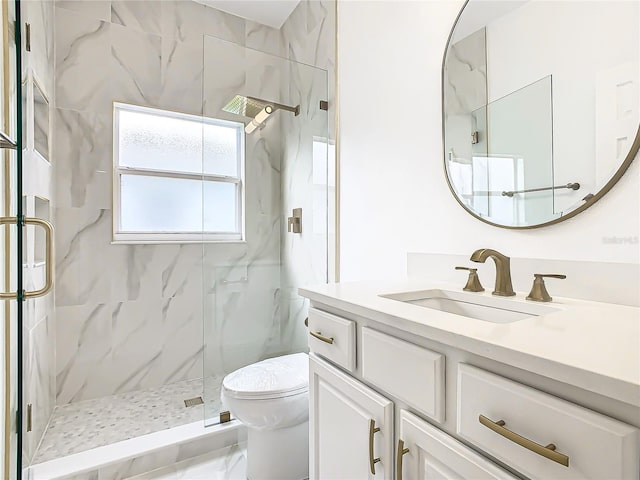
(279, 376)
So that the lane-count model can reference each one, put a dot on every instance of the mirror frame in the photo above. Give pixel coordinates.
(633, 151)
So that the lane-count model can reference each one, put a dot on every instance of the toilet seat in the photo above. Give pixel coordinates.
(277, 377)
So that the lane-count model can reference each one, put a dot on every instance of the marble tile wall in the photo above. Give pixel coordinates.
(39, 318)
(307, 258)
(131, 315)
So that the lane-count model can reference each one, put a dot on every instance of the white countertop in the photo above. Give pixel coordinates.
(591, 345)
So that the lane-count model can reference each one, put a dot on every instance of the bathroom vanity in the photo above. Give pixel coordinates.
(421, 381)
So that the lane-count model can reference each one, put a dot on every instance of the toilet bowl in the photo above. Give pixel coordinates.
(271, 398)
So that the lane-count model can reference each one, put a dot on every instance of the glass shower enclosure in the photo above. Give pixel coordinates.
(183, 220)
(251, 309)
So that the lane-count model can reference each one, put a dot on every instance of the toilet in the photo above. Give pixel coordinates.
(271, 398)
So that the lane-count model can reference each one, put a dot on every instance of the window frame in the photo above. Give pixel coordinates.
(152, 237)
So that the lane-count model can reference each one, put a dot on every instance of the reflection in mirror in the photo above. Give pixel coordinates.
(41, 122)
(540, 122)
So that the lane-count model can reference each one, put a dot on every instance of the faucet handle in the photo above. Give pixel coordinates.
(473, 282)
(539, 290)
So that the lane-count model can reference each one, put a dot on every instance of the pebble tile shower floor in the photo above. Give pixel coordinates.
(81, 426)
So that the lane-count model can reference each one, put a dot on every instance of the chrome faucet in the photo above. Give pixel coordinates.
(503, 285)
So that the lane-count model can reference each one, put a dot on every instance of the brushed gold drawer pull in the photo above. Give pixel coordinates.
(321, 337)
(372, 431)
(401, 452)
(548, 451)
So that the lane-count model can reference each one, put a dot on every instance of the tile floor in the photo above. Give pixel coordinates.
(81, 426)
(225, 464)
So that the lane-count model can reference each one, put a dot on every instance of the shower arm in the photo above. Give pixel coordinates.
(278, 106)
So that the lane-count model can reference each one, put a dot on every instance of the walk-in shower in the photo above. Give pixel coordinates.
(168, 154)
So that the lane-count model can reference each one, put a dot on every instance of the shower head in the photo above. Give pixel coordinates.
(256, 109)
(246, 106)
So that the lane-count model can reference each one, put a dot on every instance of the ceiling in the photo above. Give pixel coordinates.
(479, 14)
(267, 12)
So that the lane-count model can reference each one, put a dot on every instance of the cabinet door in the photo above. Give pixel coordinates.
(434, 455)
(343, 440)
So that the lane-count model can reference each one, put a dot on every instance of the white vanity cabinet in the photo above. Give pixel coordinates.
(352, 437)
(541, 435)
(350, 426)
(477, 425)
(427, 453)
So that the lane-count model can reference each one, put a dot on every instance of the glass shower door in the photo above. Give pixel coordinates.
(273, 207)
(9, 243)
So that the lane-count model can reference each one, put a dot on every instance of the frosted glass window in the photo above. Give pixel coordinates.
(165, 204)
(220, 207)
(177, 177)
(221, 150)
(170, 143)
(160, 204)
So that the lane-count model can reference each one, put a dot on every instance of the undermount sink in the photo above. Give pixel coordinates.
(488, 309)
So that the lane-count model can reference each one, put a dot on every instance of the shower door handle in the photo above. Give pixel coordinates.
(48, 230)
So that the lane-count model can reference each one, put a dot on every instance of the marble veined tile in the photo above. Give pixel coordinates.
(40, 375)
(83, 153)
(40, 15)
(80, 271)
(170, 329)
(242, 325)
(142, 15)
(225, 464)
(310, 32)
(82, 52)
(96, 9)
(181, 271)
(224, 25)
(182, 21)
(181, 73)
(83, 352)
(138, 268)
(466, 74)
(135, 66)
(264, 38)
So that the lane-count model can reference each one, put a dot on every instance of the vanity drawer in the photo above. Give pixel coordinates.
(592, 445)
(406, 371)
(333, 337)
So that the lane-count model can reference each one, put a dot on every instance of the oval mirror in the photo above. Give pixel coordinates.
(540, 106)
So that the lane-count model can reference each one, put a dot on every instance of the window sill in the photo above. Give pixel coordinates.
(172, 242)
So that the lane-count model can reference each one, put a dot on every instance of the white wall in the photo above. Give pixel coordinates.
(394, 195)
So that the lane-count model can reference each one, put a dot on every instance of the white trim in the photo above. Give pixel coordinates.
(175, 174)
(127, 237)
(175, 237)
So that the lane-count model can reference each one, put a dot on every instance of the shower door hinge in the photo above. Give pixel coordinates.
(29, 417)
(324, 105)
(474, 138)
(27, 37)
(294, 223)
(225, 416)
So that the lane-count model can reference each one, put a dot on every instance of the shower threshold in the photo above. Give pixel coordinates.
(89, 424)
